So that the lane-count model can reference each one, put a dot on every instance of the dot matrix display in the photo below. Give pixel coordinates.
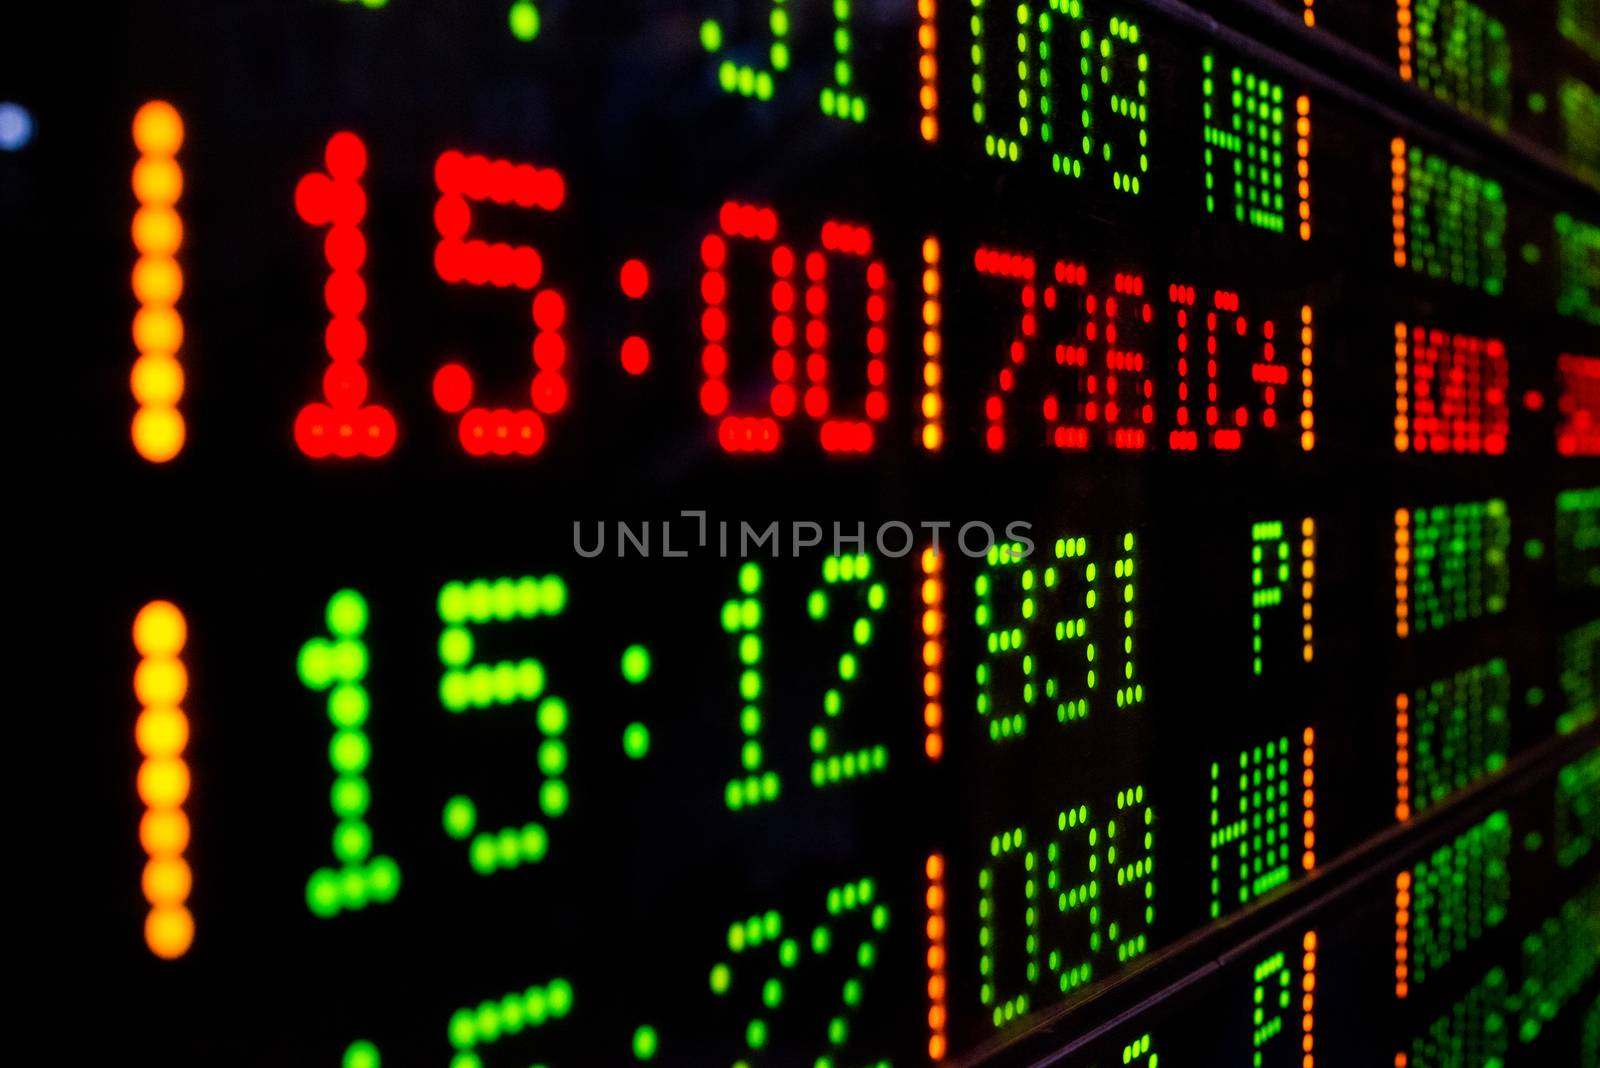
(844, 944)
(791, 392)
(1226, 418)
(1578, 244)
(1042, 43)
(1577, 810)
(473, 1029)
(840, 97)
(1098, 894)
(1118, 393)
(160, 683)
(460, 260)
(1449, 223)
(1252, 835)
(1136, 1051)
(1579, 22)
(1579, 647)
(1450, 564)
(1558, 960)
(1578, 418)
(1580, 126)
(1273, 1004)
(1039, 652)
(1272, 578)
(338, 665)
(756, 784)
(1257, 147)
(342, 424)
(157, 380)
(471, 682)
(1473, 1030)
(1456, 51)
(1447, 902)
(1578, 538)
(1450, 734)
(831, 764)
(1450, 392)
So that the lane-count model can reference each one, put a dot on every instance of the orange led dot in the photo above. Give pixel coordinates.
(169, 931)
(159, 630)
(157, 231)
(157, 180)
(161, 732)
(164, 831)
(157, 129)
(163, 782)
(166, 881)
(160, 681)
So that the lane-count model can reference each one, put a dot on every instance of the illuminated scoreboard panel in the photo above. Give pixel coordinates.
(478, 677)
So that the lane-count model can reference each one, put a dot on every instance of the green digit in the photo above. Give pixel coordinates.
(1008, 593)
(844, 941)
(756, 783)
(832, 763)
(337, 665)
(470, 683)
(749, 79)
(1123, 70)
(1008, 996)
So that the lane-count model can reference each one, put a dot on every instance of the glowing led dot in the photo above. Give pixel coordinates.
(645, 1043)
(636, 740)
(524, 20)
(636, 663)
(16, 127)
(362, 1055)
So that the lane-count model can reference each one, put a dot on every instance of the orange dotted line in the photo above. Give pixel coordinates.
(1308, 799)
(932, 347)
(1402, 572)
(1397, 201)
(1303, 150)
(1402, 932)
(1402, 757)
(1308, 999)
(1308, 399)
(1308, 585)
(160, 682)
(928, 68)
(1403, 15)
(158, 429)
(938, 989)
(933, 652)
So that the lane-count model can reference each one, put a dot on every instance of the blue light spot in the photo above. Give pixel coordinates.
(16, 127)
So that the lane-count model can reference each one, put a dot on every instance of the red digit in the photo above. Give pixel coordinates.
(840, 434)
(484, 431)
(342, 424)
(1225, 420)
(746, 433)
(997, 263)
